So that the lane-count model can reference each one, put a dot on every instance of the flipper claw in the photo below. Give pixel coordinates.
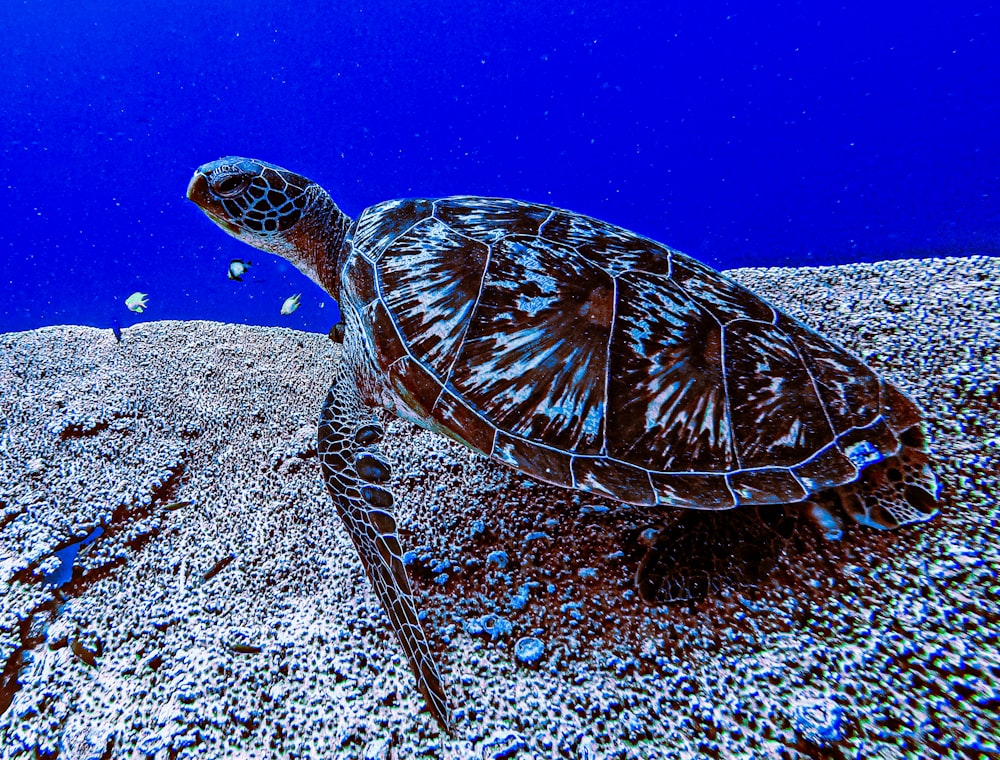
(371, 469)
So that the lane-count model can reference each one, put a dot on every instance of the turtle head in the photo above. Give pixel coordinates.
(275, 210)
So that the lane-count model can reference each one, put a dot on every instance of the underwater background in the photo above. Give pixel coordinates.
(745, 135)
(173, 580)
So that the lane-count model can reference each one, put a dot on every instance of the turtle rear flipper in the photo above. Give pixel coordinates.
(352, 471)
(899, 490)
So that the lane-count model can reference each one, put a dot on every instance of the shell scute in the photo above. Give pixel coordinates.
(467, 426)
(771, 485)
(692, 490)
(430, 285)
(778, 420)
(614, 249)
(721, 297)
(618, 480)
(415, 387)
(490, 219)
(550, 465)
(869, 444)
(360, 288)
(847, 388)
(378, 226)
(828, 468)
(535, 353)
(388, 346)
(900, 413)
(666, 394)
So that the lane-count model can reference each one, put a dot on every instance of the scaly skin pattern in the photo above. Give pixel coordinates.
(366, 510)
(285, 214)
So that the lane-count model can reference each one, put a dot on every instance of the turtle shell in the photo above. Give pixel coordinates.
(590, 357)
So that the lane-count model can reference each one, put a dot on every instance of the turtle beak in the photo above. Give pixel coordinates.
(199, 194)
(198, 190)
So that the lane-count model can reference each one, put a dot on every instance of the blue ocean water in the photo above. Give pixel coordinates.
(743, 134)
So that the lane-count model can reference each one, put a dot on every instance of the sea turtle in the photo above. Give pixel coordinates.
(575, 351)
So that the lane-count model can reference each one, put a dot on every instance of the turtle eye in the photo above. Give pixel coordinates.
(234, 184)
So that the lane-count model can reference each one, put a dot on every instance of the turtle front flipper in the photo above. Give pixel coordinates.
(353, 471)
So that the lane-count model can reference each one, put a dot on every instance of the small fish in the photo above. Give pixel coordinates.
(137, 302)
(291, 304)
(116, 328)
(238, 268)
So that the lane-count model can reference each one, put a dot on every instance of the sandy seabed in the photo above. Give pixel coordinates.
(222, 612)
